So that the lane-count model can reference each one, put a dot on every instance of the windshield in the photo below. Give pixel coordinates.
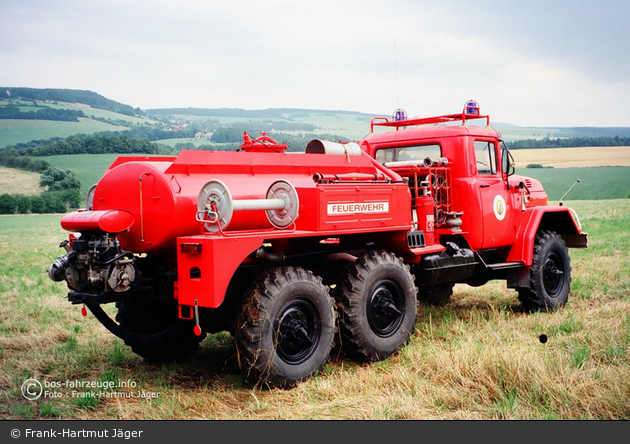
(403, 153)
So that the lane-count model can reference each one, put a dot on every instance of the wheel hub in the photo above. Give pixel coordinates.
(297, 332)
(385, 309)
(553, 273)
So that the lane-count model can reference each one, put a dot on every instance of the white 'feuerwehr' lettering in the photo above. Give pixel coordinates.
(355, 207)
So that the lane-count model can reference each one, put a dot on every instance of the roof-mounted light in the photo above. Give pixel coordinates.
(471, 108)
(399, 115)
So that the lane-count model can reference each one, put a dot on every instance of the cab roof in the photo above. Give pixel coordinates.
(430, 128)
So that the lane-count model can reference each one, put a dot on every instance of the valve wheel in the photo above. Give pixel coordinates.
(283, 218)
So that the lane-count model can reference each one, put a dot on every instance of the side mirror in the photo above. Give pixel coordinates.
(507, 163)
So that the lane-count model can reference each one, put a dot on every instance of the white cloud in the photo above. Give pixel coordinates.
(528, 63)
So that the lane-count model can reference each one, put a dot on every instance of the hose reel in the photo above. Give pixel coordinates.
(215, 205)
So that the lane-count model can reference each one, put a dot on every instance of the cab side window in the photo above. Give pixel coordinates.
(486, 156)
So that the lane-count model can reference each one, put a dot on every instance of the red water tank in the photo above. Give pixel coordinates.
(162, 193)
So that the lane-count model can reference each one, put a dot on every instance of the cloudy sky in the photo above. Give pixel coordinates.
(530, 63)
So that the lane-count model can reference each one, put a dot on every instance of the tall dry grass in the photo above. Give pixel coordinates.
(479, 357)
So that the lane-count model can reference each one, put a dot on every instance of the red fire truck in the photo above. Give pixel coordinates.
(294, 252)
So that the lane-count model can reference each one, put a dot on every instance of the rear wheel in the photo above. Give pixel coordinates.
(287, 326)
(151, 328)
(550, 274)
(151, 320)
(377, 301)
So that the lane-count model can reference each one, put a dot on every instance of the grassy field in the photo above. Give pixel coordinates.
(14, 181)
(14, 131)
(595, 182)
(89, 168)
(479, 357)
(604, 172)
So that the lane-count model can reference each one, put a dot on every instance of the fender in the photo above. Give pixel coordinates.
(553, 218)
(215, 259)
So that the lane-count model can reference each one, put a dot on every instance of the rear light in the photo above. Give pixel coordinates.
(192, 248)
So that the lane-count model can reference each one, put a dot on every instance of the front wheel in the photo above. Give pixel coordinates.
(550, 274)
(287, 327)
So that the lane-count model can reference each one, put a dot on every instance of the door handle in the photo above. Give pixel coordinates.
(484, 185)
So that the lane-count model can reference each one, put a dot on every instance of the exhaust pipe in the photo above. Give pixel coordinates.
(57, 270)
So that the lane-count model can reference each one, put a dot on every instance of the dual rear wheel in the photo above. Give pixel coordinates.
(288, 325)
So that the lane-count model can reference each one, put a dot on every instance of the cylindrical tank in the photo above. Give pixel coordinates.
(317, 146)
(162, 193)
(162, 210)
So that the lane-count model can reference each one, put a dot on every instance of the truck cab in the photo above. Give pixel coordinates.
(467, 199)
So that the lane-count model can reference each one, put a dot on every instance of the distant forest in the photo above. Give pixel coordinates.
(84, 144)
(43, 113)
(71, 96)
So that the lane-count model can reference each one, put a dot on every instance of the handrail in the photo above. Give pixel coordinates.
(463, 117)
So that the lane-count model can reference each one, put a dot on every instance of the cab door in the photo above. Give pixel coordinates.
(496, 205)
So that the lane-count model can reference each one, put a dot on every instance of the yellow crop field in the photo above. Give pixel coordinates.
(14, 181)
(574, 157)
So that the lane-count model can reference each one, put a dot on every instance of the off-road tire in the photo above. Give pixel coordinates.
(549, 275)
(376, 299)
(160, 334)
(286, 328)
(437, 294)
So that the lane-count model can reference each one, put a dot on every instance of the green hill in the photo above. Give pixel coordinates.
(175, 128)
(69, 95)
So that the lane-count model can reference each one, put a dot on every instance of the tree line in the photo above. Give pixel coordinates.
(297, 142)
(61, 192)
(10, 158)
(43, 113)
(86, 144)
(47, 202)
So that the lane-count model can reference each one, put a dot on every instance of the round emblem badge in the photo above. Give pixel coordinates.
(499, 207)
